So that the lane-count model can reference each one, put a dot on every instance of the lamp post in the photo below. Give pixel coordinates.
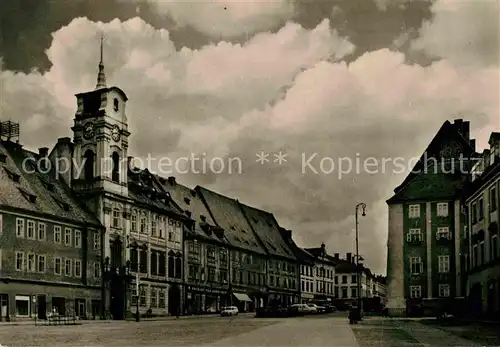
(361, 205)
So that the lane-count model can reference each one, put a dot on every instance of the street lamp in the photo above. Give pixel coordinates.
(361, 205)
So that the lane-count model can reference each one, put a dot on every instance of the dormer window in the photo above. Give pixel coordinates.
(116, 104)
(3, 158)
(186, 200)
(12, 175)
(203, 218)
(27, 195)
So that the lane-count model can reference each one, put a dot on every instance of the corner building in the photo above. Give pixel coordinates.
(426, 221)
(50, 243)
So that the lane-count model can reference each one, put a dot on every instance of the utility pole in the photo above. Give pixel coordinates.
(363, 206)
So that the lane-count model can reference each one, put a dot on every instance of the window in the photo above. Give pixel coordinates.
(42, 230)
(336, 279)
(344, 293)
(443, 263)
(57, 266)
(134, 295)
(57, 234)
(178, 267)
(161, 233)
(143, 224)
(354, 278)
(481, 252)
(443, 233)
(480, 206)
(494, 247)
(133, 223)
(97, 240)
(19, 261)
(211, 253)
(88, 169)
(211, 274)
(67, 267)
(414, 211)
(475, 256)
(444, 290)
(142, 295)
(442, 209)
(344, 279)
(30, 266)
(67, 237)
(161, 299)
(78, 239)
(31, 230)
(162, 264)
(143, 261)
(97, 270)
(115, 174)
(415, 291)
(41, 263)
(19, 227)
(78, 268)
(414, 235)
(493, 199)
(416, 265)
(23, 307)
(354, 292)
(153, 227)
(153, 295)
(116, 218)
(154, 263)
(474, 212)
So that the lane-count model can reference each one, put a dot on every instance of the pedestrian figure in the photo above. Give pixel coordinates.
(354, 313)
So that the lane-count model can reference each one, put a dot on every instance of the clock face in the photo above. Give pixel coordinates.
(88, 131)
(115, 133)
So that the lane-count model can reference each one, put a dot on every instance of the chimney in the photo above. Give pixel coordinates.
(458, 123)
(349, 257)
(65, 140)
(43, 154)
(466, 130)
(336, 255)
(472, 143)
(171, 180)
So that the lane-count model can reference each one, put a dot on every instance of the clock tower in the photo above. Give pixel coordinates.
(100, 136)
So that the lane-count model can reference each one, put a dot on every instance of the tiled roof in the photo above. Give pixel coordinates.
(37, 192)
(447, 133)
(146, 190)
(228, 215)
(265, 226)
(318, 254)
(189, 200)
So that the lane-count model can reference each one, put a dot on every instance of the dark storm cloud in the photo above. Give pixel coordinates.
(26, 25)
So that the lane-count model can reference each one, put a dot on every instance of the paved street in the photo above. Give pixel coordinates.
(332, 330)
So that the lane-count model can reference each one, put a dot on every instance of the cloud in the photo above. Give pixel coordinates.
(227, 18)
(464, 32)
(288, 91)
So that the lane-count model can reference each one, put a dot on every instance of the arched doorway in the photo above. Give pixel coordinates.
(174, 300)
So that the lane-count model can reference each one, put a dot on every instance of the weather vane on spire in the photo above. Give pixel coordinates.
(101, 77)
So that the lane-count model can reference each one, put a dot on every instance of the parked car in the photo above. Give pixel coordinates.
(330, 308)
(276, 311)
(211, 310)
(229, 311)
(317, 309)
(304, 309)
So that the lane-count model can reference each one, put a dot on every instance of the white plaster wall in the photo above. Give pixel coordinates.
(395, 260)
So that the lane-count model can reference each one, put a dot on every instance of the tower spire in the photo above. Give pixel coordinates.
(101, 77)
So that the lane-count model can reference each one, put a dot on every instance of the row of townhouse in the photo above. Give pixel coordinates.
(327, 278)
(84, 232)
(442, 241)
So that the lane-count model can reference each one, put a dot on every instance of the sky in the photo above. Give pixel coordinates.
(328, 84)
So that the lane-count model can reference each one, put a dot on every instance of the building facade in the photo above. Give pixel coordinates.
(142, 263)
(324, 273)
(481, 245)
(206, 251)
(426, 221)
(50, 244)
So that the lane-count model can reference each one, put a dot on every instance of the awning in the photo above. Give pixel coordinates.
(242, 297)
